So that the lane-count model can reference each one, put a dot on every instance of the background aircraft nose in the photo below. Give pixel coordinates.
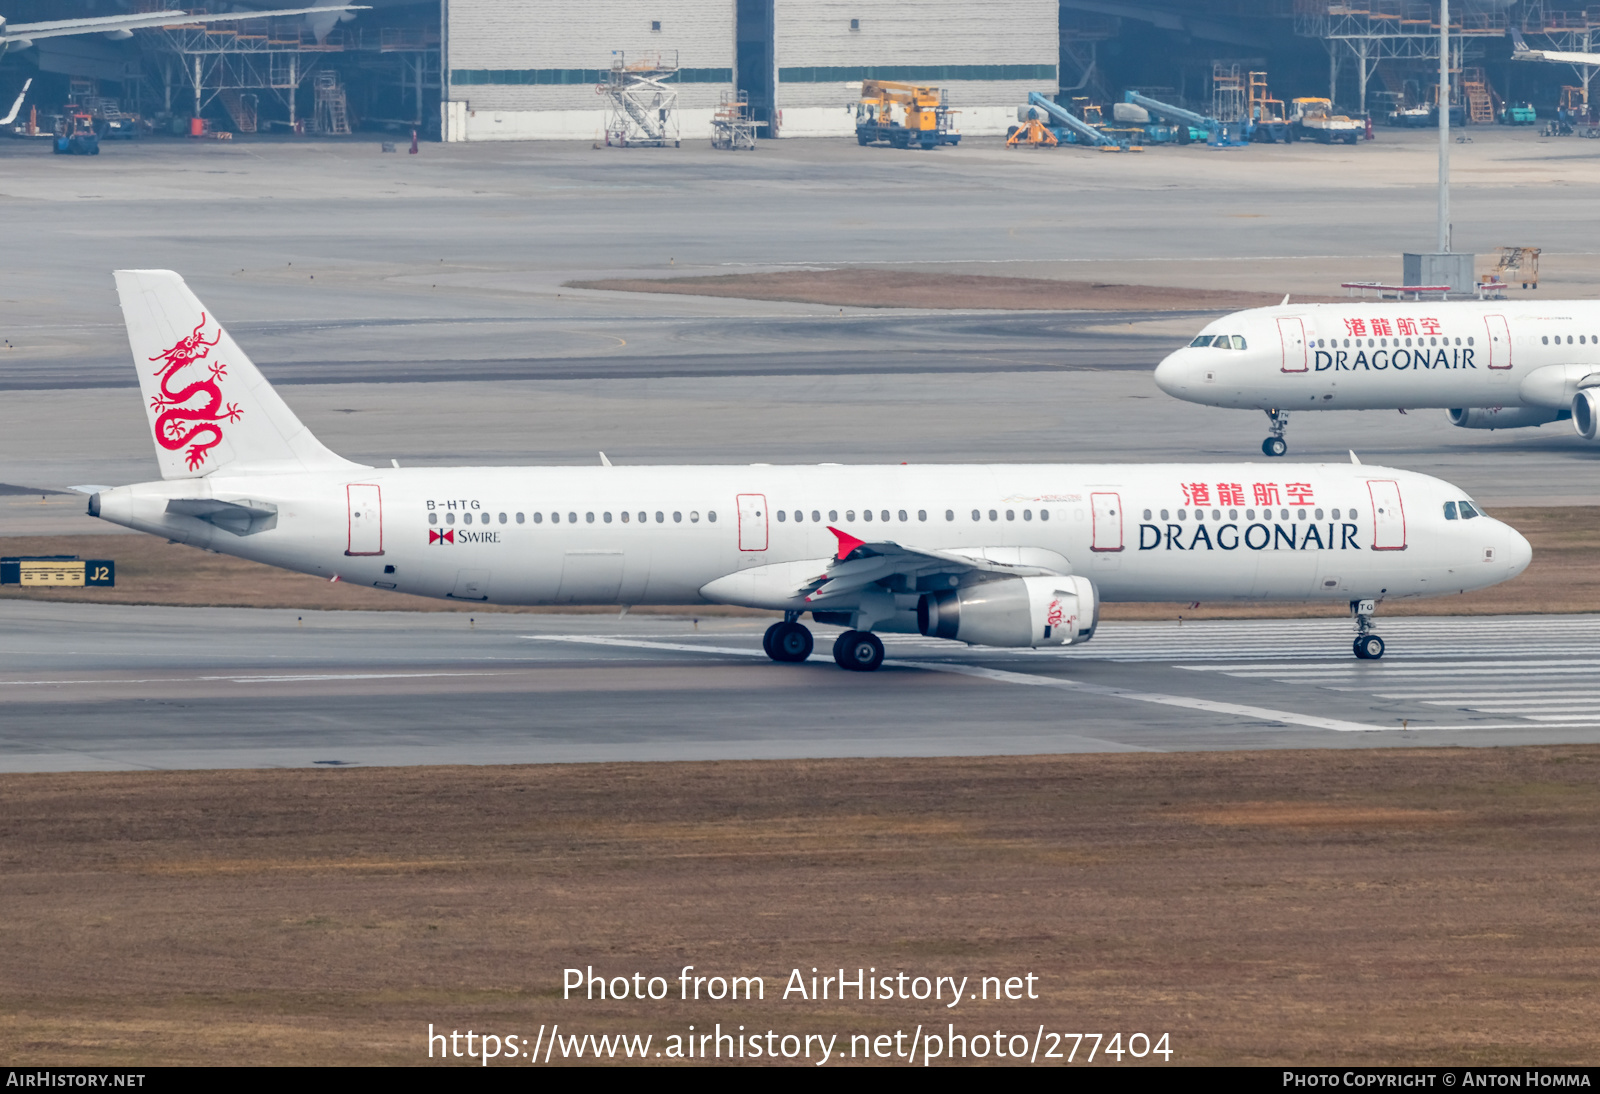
(1169, 373)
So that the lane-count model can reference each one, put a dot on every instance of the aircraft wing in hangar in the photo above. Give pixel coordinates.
(22, 35)
(1520, 51)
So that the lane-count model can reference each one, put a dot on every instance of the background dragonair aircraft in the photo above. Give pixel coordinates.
(1491, 364)
(1003, 555)
(23, 35)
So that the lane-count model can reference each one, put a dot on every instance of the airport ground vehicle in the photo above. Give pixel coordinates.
(996, 555)
(903, 116)
(1492, 364)
(76, 134)
(1313, 119)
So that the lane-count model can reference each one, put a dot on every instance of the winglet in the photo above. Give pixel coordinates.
(1353, 458)
(847, 543)
(1284, 301)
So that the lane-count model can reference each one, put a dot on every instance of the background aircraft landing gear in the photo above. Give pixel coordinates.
(787, 641)
(1275, 445)
(1367, 646)
(858, 651)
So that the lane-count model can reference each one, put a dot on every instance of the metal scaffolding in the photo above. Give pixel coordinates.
(732, 126)
(230, 61)
(1375, 32)
(642, 107)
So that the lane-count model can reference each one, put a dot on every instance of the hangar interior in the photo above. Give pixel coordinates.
(543, 69)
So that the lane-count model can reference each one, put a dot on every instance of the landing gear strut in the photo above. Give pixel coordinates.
(1275, 445)
(1367, 646)
(858, 651)
(787, 641)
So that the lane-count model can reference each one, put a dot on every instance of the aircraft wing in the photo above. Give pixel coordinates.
(859, 564)
(1521, 52)
(100, 24)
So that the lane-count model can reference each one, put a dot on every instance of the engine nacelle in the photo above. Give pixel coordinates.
(1586, 413)
(1013, 611)
(1504, 417)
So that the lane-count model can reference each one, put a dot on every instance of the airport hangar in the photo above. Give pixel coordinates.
(471, 70)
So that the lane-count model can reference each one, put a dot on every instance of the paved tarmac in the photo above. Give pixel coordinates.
(415, 307)
(89, 687)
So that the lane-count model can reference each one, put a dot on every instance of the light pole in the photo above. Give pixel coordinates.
(1444, 127)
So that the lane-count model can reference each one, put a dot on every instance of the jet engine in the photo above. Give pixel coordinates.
(1013, 611)
(1504, 417)
(1586, 413)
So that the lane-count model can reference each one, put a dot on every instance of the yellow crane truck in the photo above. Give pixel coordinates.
(903, 116)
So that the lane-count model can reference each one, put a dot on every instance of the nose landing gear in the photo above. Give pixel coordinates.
(787, 641)
(1367, 646)
(1275, 445)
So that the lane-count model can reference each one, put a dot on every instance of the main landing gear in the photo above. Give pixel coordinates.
(1367, 646)
(787, 641)
(858, 651)
(1275, 445)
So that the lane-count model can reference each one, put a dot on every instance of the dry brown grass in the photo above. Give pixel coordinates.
(871, 288)
(1349, 907)
(1562, 578)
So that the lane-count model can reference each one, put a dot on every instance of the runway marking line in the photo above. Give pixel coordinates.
(1027, 679)
(298, 679)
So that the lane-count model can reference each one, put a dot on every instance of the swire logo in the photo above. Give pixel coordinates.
(446, 536)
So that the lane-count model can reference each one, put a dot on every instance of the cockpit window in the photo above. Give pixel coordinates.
(1238, 341)
(1449, 510)
(1467, 511)
(1201, 340)
(1221, 342)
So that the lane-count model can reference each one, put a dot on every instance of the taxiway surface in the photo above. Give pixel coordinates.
(109, 687)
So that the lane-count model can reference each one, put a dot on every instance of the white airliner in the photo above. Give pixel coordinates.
(1492, 364)
(995, 555)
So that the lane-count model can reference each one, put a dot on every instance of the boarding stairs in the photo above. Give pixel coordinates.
(241, 107)
(332, 116)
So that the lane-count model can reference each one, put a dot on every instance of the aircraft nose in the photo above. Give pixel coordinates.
(1171, 374)
(1518, 552)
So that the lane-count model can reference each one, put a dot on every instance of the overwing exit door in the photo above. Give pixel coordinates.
(1107, 533)
(752, 522)
(1388, 515)
(1499, 341)
(365, 502)
(1292, 334)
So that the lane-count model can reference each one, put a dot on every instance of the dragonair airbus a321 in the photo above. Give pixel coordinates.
(1011, 555)
(1492, 364)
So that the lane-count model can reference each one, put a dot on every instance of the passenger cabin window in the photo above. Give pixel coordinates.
(449, 518)
(1449, 510)
(949, 514)
(433, 518)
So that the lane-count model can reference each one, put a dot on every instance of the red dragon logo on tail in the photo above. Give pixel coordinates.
(179, 424)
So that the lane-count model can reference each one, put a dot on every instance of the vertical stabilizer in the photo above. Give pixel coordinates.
(208, 406)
